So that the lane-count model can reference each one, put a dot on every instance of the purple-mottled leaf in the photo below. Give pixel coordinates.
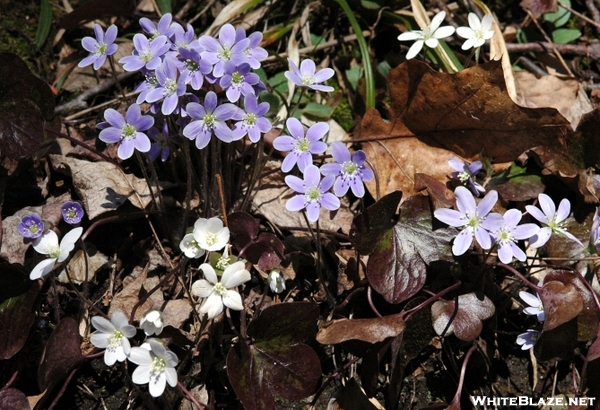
(17, 297)
(277, 363)
(398, 267)
(467, 321)
(264, 250)
(369, 227)
(61, 354)
(13, 399)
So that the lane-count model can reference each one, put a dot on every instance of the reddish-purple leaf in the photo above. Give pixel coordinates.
(61, 354)
(565, 296)
(539, 7)
(371, 330)
(13, 399)
(17, 296)
(466, 323)
(398, 267)
(243, 228)
(440, 195)
(265, 249)
(277, 363)
(370, 227)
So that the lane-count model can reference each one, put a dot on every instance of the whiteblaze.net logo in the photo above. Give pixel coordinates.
(530, 401)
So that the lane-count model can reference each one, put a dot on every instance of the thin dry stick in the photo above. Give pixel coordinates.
(581, 16)
(558, 55)
(593, 11)
(222, 199)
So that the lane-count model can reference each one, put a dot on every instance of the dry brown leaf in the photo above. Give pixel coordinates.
(437, 116)
(272, 194)
(368, 330)
(78, 265)
(539, 7)
(102, 186)
(552, 91)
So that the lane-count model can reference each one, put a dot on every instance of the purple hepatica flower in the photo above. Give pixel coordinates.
(146, 54)
(535, 308)
(146, 86)
(31, 226)
(225, 49)
(160, 145)
(72, 212)
(350, 170)
(100, 47)
(301, 146)
(307, 76)
(466, 174)
(509, 233)
(238, 80)
(251, 120)
(208, 119)
(595, 233)
(184, 39)
(553, 219)
(253, 52)
(528, 339)
(126, 131)
(195, 67)
(313, 193)
(170, 87)
(474, 219)
(163, 27)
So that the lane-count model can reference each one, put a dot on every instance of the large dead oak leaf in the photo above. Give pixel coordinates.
(436, 116)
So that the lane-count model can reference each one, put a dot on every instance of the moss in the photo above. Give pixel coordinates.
(343, 114)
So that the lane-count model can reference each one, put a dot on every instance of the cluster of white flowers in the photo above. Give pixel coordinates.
(478, 32)
(156, 365)
(208, 235)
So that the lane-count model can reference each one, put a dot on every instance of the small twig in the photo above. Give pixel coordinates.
(190, 396)
(204, 10)
(531, 66)
(84, 145)
(63, 388)
(594, 12)
(558, 55)
(80, 102)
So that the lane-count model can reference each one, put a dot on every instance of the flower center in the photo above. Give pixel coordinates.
(224, 54)
(191, 65)
(211, 238)
(71, 213)
(53, 251)
(220, 289)
(250, 119)
(151, 80)
(32, 227)
(473, 221)
(302, 145)
(349, 168)
(157, 367)
(504, 235)
(101, 48)
(170, 86)
(209, 121)
(308, 79)
(237, 78)
(128, 131)
(114, 340)
(464, 176)
(313, 194)
(146, 56)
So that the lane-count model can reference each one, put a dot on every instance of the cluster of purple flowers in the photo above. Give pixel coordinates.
(504, 230)
(175, 63)
(32, 225)
(347, 172)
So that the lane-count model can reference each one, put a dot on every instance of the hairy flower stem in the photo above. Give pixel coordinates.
(463, 370)
(520, 276)
(114, 74)
(407, 314)
(317, 240)
(140, 162)
(189, 395)
(291, 112)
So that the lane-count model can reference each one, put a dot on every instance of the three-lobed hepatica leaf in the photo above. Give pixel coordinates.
(565, 297)
(263, 249)
(397, 269)
(466, 316)
(17, 297)
(25, 102)
(13, 399)
(274, 361)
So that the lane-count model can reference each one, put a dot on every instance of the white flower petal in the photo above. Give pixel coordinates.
(233, 300)
(444, 32)
(141, 375)
(437, 20)
(100, 339)
(140, 356)
(157, 385)
(42, 269)
(171, 375)
(212, 306)
(414, 49)
(47, 240)
(68, 242)
(234, 275)
(209, 273)
(202, 288)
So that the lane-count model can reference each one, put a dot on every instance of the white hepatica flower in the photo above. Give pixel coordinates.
(47, 244)
(190, 247)
(429, 36)
(535, 305)
(478, 32)
(112, 336)
(219, 293)
(156, 366)
(210, 234)
(553, 219)
(528, 339)
(152, 322)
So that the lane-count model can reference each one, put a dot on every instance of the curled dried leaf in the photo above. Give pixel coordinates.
(466, 315)
(368, 330)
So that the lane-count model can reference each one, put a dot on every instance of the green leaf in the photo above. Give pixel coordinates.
(371, 5)
(279, 83)
(561, 16)
(318, 111)
(354, 74)
(44, 24)
(164, 6)
(565, 35)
